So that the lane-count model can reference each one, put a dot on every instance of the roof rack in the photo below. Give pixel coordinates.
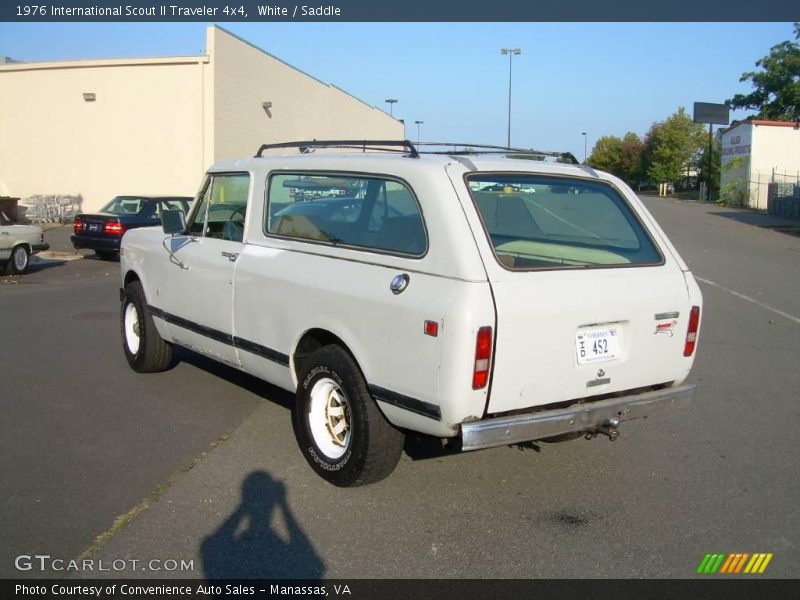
(363, 145)
(412, 150)
(467, 149)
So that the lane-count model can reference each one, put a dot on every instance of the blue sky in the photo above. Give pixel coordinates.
(602, 78)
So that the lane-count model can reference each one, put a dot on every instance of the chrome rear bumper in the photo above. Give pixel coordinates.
(581, 417)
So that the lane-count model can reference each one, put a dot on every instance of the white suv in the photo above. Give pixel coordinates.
(465, 295)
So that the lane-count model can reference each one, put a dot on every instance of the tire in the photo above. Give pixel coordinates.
(18, 261)
(341, 432)
(106, 254)
(145, 349)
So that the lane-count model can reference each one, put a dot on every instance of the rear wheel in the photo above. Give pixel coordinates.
(342, 433)
(145, 350)
(18, 261)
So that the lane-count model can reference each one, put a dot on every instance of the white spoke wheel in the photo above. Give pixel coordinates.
(18, 261)
(145, 350)
(340, 429)
(132, 326)
(329, 418)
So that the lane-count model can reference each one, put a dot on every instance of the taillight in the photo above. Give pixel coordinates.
(691, 333)
(483, 355)
(114, 228)
(77, 226)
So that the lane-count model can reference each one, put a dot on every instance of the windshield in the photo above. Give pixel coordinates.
(538, 222)
(124, 205)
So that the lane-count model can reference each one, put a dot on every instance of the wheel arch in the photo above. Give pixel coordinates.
(313, 339)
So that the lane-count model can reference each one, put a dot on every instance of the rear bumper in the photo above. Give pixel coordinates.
(590, 416)
(95, 243)
(40, 247)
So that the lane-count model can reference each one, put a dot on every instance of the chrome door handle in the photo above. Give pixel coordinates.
(231, 256)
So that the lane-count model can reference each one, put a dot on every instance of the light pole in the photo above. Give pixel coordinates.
(511, 52)
(418, 123)
(391, 102)
(584, 147)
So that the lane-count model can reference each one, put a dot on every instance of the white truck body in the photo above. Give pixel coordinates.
(257, 303)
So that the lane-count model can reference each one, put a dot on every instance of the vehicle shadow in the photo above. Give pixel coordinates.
(246, 546)
(40, 264)
(252, 384)
(761, 220)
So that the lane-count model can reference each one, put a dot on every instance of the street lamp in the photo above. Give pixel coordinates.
(391, 102)
(418, 123)
(584, 147)
(511, 52)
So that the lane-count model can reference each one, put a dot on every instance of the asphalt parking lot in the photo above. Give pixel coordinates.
(199, 464)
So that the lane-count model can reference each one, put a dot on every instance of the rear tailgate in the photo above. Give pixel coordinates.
(590, 298)
(563, 335)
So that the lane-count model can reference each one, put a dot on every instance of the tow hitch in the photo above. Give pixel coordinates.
(609, 428)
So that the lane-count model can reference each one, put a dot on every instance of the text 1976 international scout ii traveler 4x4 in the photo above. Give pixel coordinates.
(459, 294)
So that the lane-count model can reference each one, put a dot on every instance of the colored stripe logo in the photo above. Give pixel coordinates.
(734, 564)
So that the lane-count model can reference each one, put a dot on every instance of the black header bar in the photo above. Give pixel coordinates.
(406, 11)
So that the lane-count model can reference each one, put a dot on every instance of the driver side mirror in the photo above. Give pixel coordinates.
(173, 222)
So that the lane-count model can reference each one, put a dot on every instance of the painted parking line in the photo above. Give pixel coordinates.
(749, 299)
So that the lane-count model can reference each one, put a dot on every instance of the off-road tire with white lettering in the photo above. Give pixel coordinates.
(153, 354)
(374, 446)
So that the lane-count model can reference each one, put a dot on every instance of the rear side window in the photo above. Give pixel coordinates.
(536, 222)
(373, 213)
(124, 205)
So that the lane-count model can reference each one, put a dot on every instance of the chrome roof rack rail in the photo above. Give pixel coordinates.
(381, 145)
(460, 149)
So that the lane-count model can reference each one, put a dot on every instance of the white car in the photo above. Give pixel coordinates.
(428, 295)
(17, 244)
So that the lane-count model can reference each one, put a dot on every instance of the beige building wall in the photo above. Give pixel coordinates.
(157, 124)
(143, 133)
(302, 107)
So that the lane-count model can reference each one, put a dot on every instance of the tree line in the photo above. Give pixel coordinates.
(674, 150)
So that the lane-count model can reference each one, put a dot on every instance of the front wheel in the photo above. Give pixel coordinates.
(145, 350)
(18, 261)
(341, 432)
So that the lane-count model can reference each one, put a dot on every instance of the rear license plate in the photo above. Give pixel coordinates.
(597, 344)
(94, 226)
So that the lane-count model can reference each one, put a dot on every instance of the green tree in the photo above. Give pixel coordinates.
(703, 169)
(777, 85)
(632, 159)
(671, 145)
(607, 154)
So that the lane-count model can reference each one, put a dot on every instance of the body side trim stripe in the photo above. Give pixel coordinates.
(219, 336)
(425, 409)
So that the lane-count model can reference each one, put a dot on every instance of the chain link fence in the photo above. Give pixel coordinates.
(783, 196)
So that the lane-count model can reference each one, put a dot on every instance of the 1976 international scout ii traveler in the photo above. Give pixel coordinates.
(468, 296)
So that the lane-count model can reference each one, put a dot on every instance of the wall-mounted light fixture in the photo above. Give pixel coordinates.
(89, 97)
(267, 106)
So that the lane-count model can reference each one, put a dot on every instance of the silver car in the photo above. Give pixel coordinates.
(17, 244)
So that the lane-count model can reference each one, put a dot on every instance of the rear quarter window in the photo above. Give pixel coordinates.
(365, 212)
(537, 222)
